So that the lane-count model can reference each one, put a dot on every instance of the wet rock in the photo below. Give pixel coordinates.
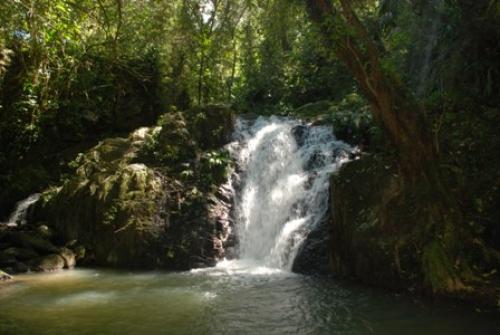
(368, 232)
(79, 252)
(7, 260)
(125, 206)
(300, 133)
(20, 267)
(31, 240)
(112, 208)
(52, 262)
(313, 255)
(20, 253)
(380, 236)
(44, 231)
(4, 276)
(111, 204)
(69, 258)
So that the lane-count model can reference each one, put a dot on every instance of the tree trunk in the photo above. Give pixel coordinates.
(403, 120)
(400, 116)
(200, 77)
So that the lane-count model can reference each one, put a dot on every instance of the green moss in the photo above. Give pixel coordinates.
(110, 202)
(393, 233)
(440, 274)
(129, 199)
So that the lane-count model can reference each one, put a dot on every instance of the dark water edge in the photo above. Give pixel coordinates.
(229, 299)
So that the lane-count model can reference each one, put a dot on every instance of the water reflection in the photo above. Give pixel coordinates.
(231, 299)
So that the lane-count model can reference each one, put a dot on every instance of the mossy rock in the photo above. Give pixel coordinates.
(19, 253)
(111, 205)
(31, 240)
(69, 257)
(385, 233)
(126, 205)
(52, 262)
(380, 235)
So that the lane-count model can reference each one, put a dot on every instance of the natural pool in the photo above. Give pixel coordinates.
(233, 298)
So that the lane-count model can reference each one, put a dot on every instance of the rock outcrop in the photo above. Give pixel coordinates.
(314, 254)
(30, 248)
(112, 205)
(143, 201)
(380, 237)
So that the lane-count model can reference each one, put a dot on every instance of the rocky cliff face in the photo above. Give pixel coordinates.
(151, 200)
(363, 193)
(112, 206)
(379, 236)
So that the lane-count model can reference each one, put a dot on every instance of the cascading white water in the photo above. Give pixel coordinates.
(19, 214)
(284, 178)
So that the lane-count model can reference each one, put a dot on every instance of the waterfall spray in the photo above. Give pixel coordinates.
(285, 167)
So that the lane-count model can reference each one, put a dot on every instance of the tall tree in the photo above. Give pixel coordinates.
(394, 107)
(404, 121)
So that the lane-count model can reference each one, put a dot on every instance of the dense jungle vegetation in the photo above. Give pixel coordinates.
(415, 82)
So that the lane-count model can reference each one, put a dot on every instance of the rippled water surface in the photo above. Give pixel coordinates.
(230, 299)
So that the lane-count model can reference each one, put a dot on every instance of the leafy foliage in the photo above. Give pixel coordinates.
(188, 145)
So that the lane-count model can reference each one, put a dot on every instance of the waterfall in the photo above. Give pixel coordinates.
(20, 213)
(283, 175)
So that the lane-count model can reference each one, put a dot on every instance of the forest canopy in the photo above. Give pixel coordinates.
(73, 71)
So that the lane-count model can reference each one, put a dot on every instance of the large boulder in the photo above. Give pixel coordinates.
(362, 246)
(381, 236)
(19, 247)
(51, 262)
(19, 253)
(112, 205)
(314, 254)
(142, 201)
(31, 249)
(69, 257)
(31, 240)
